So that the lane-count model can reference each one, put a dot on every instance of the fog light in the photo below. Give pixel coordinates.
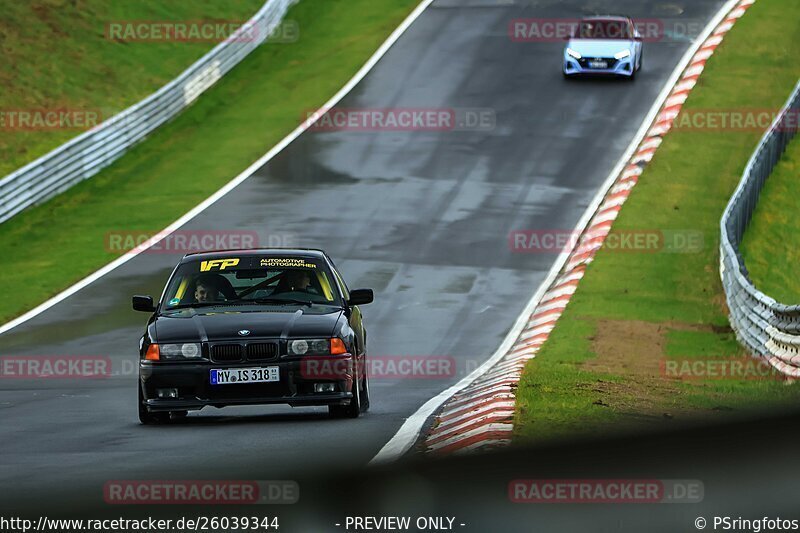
(167, 393)
(324, 387)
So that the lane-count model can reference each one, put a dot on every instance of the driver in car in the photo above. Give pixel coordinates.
(296, 281)
(205, 292)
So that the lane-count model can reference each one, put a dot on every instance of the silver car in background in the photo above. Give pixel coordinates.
(609, 45)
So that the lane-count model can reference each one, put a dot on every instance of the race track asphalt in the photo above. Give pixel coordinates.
(422, 217)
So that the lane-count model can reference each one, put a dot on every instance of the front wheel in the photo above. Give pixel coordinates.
(146, 417)
(365, 394)
(354, 407)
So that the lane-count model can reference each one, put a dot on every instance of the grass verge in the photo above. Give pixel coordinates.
(645, 340)
(56, 55)
(228, 128)
(771, 244)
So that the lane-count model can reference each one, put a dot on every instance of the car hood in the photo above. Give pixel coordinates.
(204, 326)
(599, 47)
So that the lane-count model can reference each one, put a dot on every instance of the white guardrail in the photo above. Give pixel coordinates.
(87, 154)
(765, 327)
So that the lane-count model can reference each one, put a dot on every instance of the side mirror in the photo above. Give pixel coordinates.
(143, 303)
(360, 297)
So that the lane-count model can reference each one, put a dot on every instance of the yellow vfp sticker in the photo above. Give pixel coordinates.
(221, 264)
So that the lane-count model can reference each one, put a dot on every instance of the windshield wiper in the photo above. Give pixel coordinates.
(195, 304)
(284, 301)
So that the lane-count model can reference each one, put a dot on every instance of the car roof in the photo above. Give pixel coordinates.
(286, 252)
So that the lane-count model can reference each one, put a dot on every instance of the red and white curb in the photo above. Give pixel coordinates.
(480, 416)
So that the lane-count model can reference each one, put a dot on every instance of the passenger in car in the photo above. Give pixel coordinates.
(205, 292)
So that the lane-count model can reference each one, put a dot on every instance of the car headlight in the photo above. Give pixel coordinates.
(310, 347)
(573, 53)
(332, 346)
(623, 54)
(188, 350)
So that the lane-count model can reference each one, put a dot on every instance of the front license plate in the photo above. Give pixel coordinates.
(245, 375)
(598, 64)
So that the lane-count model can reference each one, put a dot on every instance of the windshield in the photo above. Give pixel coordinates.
(251, 280)
(603, 29)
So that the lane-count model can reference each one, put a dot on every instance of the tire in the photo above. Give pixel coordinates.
(146, 417)
(365, 393)
(354, 407)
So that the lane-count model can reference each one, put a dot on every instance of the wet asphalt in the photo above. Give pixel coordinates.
(422, 217)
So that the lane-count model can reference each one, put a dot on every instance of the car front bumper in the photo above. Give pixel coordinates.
(622, 67)
(295, 386)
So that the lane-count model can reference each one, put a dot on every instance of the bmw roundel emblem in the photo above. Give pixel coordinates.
(244, 332)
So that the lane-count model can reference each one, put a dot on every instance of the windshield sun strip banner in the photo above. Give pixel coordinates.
(296, 262)
(220, 264)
